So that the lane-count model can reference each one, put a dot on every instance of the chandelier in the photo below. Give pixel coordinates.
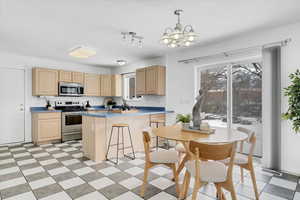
(132, 38)
(180, 35)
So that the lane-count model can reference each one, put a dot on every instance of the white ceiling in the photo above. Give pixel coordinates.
(49, 28)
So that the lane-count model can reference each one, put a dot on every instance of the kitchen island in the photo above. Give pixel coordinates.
(96, 129)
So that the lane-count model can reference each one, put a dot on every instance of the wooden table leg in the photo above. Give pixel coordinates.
(185, 158)
(181, 165)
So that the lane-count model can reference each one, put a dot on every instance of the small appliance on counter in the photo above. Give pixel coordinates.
(109, 103)
(48, 105)
(87, 105)
(71, 126)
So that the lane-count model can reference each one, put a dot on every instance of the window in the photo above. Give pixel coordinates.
(129, 87)
(233, 97)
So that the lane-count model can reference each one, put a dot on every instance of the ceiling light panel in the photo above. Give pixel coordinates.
(82, 52)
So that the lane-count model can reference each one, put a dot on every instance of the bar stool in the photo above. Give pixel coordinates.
(157, 122)
(120, 126)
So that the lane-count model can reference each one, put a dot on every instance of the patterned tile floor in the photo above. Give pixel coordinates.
(60, 172)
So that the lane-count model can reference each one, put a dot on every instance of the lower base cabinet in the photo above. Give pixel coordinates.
(96, 133)
(46, 127)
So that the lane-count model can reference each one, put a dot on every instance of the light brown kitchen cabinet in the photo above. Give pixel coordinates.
(105, 85)
(78, 77)
(92, 84)
(140, 81)
(46, 127)
(155, 80)
(72, 77)
(65, 76)
(44, 82)
(116, 85)
(151, 80)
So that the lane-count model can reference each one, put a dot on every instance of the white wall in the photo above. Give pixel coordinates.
(158, 101)
(9, 60)
(180, 94)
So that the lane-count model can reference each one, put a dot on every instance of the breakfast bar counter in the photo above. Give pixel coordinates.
(96, 129)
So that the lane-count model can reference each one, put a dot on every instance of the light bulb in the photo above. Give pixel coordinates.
(191, 38)
(166, 40)
(187, 43)
(173, 45)
(121, 62)
(176, 36)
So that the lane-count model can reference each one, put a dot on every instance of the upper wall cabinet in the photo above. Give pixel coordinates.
(151, 80)
(92, 84)
(44, 82)
(68, 76)
(105, 85)
(140, 81)
(65, 76)
(116, 85)
(155, 80)
(78, 77)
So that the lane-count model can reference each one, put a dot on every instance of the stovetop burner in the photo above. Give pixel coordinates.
(69, 106)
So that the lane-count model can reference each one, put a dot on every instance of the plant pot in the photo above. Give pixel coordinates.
(185, 125)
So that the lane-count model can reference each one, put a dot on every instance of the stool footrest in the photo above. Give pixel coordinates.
(129, 147)
(115, 144)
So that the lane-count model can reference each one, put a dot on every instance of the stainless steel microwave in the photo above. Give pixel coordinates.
(70, 89)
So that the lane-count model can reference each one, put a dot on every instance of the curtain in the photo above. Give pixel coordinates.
(271, 111)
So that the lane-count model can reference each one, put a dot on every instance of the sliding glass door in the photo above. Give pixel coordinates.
(213, 83)
(233, 97)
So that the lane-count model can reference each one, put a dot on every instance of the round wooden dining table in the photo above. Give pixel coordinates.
(221, 135)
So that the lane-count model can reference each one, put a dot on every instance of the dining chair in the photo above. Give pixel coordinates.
(180, 149)
(244, 161)
(205, 168)
(164, 157)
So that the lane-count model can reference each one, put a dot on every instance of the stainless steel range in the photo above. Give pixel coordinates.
(71, 126)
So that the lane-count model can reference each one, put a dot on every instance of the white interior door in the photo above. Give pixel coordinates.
(12, 118)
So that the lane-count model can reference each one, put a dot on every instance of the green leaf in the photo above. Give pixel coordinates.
(293, 94)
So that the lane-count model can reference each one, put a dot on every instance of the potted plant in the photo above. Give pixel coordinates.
(184, 119)
(293, 94)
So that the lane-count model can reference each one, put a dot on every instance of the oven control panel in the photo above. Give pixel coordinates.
(68, 103)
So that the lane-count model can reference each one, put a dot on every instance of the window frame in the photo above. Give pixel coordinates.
(126, 88)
